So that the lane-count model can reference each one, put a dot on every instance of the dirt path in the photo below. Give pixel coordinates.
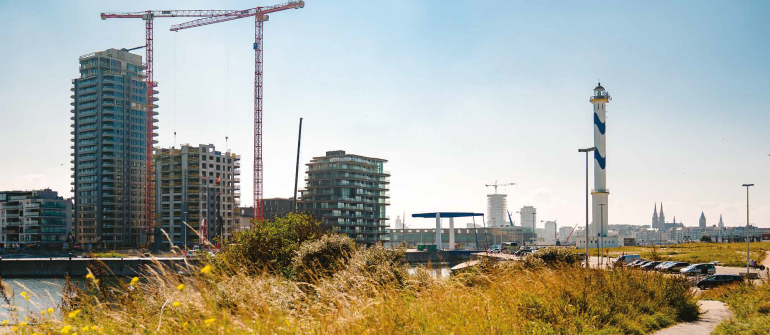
(766, 261)
(712, 313)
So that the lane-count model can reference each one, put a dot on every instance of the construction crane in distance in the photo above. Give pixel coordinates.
(570, 234)
(148, 17)
(260, 16)
(496, 185)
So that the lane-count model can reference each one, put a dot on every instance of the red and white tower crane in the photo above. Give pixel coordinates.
(260, 15)
(148, 17)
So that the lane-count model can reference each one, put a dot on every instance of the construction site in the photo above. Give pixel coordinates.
(127, 190)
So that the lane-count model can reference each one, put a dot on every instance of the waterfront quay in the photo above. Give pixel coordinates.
(78, 267)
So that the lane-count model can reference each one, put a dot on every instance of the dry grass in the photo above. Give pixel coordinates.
(372, 294)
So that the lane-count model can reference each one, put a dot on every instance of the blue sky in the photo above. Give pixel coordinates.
(455, 94)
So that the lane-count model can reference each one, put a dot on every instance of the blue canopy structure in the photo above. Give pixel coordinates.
(451, 216)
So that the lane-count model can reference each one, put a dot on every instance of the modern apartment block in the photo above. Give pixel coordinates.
(109, 134)
(349, 193)
(200, 186)
(40, 217)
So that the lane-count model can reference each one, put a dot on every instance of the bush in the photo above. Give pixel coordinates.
(269, 245)
(323, 257)
(705, 238)
(553, 256)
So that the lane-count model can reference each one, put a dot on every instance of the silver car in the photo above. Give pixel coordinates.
(699, 269)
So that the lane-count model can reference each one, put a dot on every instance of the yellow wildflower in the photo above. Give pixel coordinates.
(26, 319)
(184, 325)
(42, 312)
(176, 304)
(26, 298)
(180, 287)
(5, 322)
(66, 329)
(134, 280)
(74, 313)
(15, 328)
(90, 276)
(206, 269)
(209, 321)
(50, 310)
(23, 324)
(23, 294)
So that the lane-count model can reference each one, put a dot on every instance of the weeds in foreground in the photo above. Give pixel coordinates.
(750, 304)
(374, 294)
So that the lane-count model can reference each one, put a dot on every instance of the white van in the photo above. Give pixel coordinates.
(626, 259)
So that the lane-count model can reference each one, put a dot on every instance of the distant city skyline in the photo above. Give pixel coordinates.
(452, 107)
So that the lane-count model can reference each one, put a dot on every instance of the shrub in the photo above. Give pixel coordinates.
(557, 256)
(269, 245)
(323, 257)
(705, 238)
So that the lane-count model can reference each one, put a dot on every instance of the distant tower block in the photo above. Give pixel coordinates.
(600, 193)
(702, 221)
(497, 206)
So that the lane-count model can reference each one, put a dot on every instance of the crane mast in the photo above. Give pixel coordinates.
(148, 17)
(260, 16)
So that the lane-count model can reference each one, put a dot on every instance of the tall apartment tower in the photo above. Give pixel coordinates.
(600, 194)
(40, 217)
(528, 217)
(109, 128)
(349, 193)
(199, 186)
(497, 204)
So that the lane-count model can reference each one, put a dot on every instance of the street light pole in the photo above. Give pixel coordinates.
(748, 261)
(587, 150)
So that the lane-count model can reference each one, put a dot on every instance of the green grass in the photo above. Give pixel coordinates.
(729, 254)
(750, 304)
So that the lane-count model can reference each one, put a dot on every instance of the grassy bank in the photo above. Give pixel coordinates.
(284, 278)
(751, 305)
(729, 254)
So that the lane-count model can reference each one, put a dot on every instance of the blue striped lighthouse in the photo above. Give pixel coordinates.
(600, 193)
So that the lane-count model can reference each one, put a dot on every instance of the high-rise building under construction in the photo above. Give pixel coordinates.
(198, 188)
(109, 128)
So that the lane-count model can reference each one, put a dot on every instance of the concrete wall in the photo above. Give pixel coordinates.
(78, 267)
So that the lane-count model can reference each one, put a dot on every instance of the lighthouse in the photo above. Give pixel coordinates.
(600, 193)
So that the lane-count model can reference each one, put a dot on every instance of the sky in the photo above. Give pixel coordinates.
(454, 94)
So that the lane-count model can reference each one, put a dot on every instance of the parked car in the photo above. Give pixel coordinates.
(639, 265)
(649, 266)
(674, 266)
(625, 259)
(717, 280)
(635, 263)
(661, 265)
(701, 268)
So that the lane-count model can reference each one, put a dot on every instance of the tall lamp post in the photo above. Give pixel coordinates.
(748, 261)
(587, 150)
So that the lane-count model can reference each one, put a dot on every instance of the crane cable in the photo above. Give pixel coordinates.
(227, 82)
(174, 126)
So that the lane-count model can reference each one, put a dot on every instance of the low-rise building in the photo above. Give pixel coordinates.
(38, 218)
